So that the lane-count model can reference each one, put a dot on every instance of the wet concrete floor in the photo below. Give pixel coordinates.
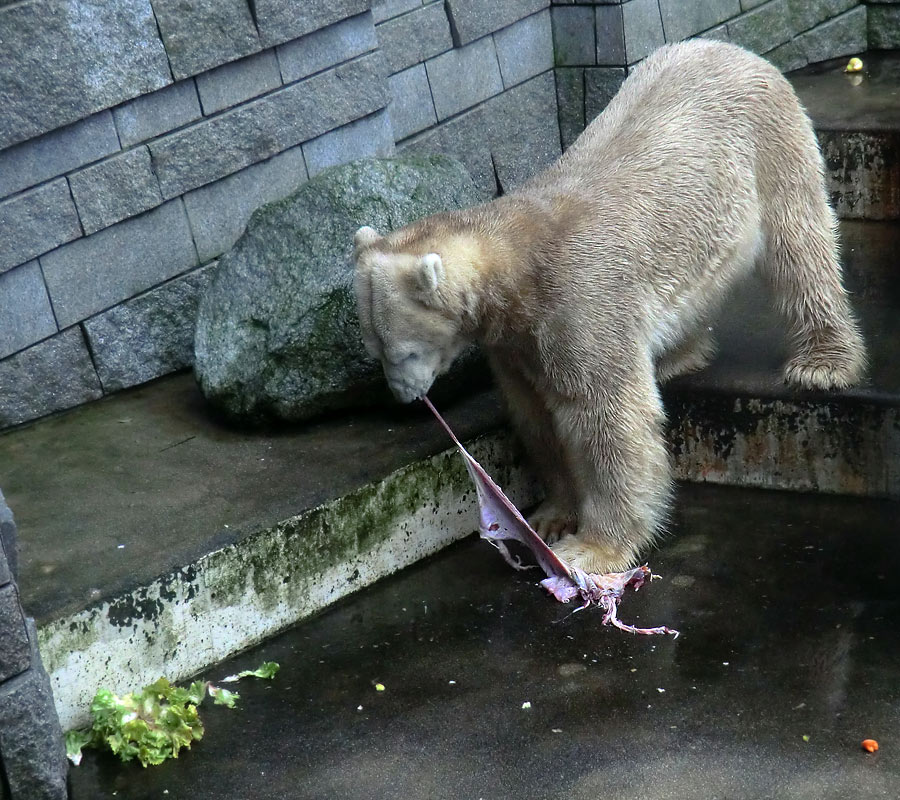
(861, 101)
(788, 607)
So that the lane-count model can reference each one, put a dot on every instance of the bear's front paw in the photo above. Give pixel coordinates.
(551, 522)
(593, 556)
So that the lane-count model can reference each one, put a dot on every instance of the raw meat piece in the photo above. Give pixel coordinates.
(500, 520)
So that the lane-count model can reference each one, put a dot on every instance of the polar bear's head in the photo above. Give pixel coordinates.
(407, 312)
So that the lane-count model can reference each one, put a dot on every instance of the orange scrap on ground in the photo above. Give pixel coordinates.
(869, 745)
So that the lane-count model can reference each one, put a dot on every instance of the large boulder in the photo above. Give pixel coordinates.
(277, 333)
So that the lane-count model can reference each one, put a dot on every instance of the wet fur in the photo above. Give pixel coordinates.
(597, 279)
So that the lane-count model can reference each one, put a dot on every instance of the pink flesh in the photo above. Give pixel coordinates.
(500, 520)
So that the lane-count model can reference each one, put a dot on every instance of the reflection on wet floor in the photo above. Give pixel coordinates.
(789, 657)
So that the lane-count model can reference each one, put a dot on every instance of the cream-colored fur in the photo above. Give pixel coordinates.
(597, 279)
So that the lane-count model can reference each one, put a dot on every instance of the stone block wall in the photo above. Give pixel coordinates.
(32, 755)
(596, 41)
(884, 24)
(138, 136)
(467, 77)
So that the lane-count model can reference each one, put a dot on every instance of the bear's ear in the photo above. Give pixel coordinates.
(365, 237)
(431, 272)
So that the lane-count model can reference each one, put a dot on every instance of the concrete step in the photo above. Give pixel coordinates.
(787, 659)
(857, 118)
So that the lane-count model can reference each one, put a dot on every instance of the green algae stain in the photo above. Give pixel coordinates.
(59, 639)
(280, 564)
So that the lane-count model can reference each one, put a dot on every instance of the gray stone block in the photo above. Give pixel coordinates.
(150, 335)
(326, 47)
(9, 558)
(570, 102)
(574, 41)
(47, 377)
(509, 138)
(806, 14)
(31, 741)
(279, 21)
(24, 308)
(15, 649)
(202, 34)
(524, 131)
(233, 83)
(253, 132)
(115, 189)
(97, 272)
(411, 109)
(214, 148)
(415, 37)
(30, 163)
(884, 27)
(719, 33)
(386, 9)
(35, 222)
(368, 137)
(643, 29)
(466, 138)
(56, 51)
(764, 28)
(600, 86)
(464, 77)
(681, 20)
(219, 212)
(330, 99)
(610, 30)
(473, 19)
(842, 36)
(791, 55)
(157, 113)
(747, 5)
(525, 49)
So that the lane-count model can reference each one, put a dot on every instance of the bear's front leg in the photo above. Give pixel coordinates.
(613, 443)
(556, 515)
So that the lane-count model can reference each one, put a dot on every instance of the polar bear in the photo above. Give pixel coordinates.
(596, 280)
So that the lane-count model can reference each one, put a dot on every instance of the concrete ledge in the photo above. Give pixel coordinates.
(800, 445)
(240, 594)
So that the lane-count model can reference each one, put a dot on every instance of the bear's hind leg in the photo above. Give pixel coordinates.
(803, 268)
(556, 515)
(690, 355)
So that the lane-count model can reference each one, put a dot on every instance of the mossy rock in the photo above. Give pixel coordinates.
(277, 334)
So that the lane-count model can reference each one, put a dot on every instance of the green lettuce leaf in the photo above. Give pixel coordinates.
(75, 740)
(268, 670)
(154, 724)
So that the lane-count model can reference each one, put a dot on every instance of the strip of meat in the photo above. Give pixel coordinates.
(500, 521)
